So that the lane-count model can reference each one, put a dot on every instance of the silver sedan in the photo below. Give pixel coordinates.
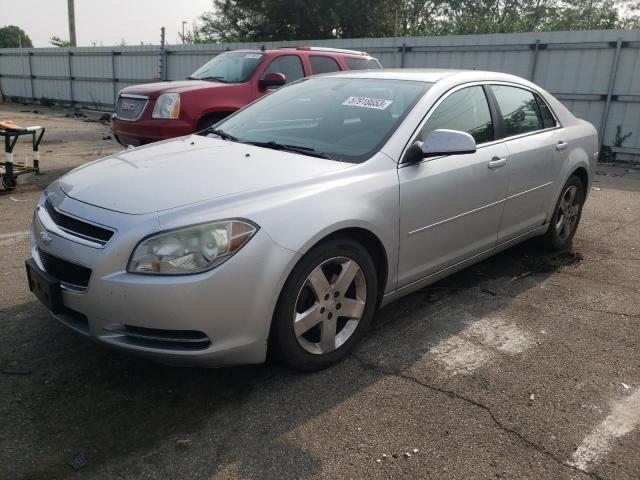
(282, 228)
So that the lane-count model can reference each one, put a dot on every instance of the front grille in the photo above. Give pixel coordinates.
(79, 228)
(67, 272)
(130, 108)
(160, 338)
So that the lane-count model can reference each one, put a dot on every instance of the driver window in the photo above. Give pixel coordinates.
(289, 65)
(466, 110)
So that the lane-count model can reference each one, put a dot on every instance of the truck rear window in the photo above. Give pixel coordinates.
(362, 63)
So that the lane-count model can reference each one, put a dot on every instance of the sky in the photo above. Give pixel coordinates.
(103, 21)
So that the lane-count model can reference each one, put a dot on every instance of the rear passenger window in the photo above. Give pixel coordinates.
(289, 65)
(466, 110)
(362, 63)
(321, 64)
(548, 120)
(519, 110)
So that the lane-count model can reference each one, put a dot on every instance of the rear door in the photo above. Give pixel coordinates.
(451, 205)
(323, 64)
(532, 136)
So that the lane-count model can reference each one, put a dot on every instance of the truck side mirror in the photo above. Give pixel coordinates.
(272, 80)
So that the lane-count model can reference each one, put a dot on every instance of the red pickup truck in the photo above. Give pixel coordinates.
(154, 111)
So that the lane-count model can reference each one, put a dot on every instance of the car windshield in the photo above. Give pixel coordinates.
(346, 119)
(232, 67)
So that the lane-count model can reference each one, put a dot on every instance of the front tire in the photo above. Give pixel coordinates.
(325, 306)
(566, 215)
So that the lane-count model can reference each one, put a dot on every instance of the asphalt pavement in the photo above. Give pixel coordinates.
(524, 366)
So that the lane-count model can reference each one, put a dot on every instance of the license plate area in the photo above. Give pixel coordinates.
(45, 287)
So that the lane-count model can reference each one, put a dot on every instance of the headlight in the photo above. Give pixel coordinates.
(167, 106)
(190, 250)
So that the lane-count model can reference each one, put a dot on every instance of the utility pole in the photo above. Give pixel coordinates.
(163, 55)
(72, 23)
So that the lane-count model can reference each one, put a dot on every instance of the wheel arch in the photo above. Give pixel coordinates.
(583, 175)
(208, 116)
(374, 246)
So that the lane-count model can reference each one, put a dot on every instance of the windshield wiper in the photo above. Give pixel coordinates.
(312, 152)
(221, 133)
(215, 79)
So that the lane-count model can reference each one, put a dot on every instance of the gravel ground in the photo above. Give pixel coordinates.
(525, 366)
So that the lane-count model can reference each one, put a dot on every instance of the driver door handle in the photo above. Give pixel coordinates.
(497, 162)
(561, 145)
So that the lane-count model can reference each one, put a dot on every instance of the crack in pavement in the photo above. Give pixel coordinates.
(539, 448)
(598, 281)
(609, 312)
(617, 229)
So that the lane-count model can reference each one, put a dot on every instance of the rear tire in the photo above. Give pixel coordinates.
(566, 216)
(325, 306)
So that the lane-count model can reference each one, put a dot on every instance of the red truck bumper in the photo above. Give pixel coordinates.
(143, 131)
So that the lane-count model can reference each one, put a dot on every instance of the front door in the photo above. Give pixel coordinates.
(289, 65)
(450, 206)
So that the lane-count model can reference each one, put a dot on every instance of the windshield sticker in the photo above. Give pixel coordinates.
(366, 102)
(253, 55)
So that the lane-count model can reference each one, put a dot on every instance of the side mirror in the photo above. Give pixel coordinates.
(272, 80)
(440, 142)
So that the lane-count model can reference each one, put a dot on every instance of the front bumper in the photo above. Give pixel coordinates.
(220, 317)
(147, 130)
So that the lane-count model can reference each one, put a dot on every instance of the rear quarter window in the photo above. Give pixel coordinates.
(548, 120)
(362, 63)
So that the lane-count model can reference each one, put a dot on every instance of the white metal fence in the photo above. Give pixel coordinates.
(595, 73)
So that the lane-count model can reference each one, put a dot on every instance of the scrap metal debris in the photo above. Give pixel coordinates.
(78, 462)
(16, 371)
(183, 442)
(490, 292)
(518, 277)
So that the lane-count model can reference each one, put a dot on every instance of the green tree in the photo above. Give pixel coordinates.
(262, 20)
(14, 37)
(259, 20)
(194, 35)
(59, 42)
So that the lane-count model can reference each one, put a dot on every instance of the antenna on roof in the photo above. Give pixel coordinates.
(263, 48)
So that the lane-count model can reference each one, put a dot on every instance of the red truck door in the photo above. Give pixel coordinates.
(289, 65)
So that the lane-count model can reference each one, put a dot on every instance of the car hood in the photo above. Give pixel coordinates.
(154, 90)
(183, 171)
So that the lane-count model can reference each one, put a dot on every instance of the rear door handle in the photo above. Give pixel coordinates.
(561, 145)
(497, 162)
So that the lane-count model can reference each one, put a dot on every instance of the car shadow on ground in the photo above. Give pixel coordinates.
(122, 412)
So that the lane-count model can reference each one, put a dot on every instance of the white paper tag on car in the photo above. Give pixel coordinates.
(253, 55)
(366, 102)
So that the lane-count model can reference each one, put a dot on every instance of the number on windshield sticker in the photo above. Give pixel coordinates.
(366, 102)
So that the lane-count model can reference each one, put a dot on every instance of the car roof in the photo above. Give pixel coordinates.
(430, 75)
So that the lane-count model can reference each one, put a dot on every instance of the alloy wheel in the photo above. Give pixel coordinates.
(329, 305)
(568, 213)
